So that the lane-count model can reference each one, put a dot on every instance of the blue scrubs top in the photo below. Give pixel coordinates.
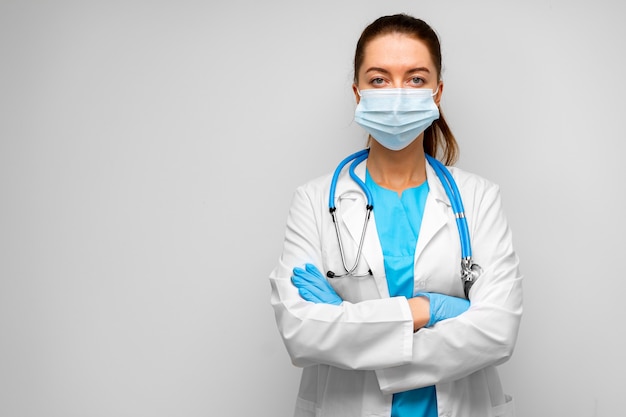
(398, 221)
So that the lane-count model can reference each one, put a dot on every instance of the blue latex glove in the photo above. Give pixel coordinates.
(444, 306)
(313, 286)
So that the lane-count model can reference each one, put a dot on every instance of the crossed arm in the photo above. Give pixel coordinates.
(426, 308)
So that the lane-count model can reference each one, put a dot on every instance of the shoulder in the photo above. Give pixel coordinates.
(477, 192)
(317, 185)
(472, 182)
(313, 193)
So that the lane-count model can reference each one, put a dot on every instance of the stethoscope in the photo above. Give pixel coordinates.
(470, 271)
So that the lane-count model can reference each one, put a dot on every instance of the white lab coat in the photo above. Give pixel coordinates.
(356, 355)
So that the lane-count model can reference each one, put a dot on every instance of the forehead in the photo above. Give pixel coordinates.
(396, 50)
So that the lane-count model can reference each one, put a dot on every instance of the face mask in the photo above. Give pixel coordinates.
(395, 117)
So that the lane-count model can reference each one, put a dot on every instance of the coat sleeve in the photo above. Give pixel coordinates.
(484, 335)
(367, 335)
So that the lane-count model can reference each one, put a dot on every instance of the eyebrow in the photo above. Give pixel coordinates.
(384, 71)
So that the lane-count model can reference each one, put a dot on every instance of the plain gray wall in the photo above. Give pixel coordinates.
(149, 151)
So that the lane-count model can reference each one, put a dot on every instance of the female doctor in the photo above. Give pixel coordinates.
(376, 295)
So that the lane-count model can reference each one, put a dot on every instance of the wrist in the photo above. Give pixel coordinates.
(420, 310)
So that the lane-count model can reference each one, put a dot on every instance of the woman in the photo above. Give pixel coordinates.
(387, 329)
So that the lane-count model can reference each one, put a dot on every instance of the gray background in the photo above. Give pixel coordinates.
(149, 151)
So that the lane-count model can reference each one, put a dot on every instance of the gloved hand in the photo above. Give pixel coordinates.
(313, 286)
(444, 306)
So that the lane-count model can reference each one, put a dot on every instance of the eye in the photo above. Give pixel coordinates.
(377, 81)
(417, 81)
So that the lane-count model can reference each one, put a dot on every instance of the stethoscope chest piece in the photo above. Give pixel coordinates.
(469, 274)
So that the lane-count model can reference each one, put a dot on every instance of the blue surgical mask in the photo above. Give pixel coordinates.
(395, 117)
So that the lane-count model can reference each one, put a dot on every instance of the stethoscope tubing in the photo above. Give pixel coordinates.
(454, 195)
(356, 159)
(469, 270)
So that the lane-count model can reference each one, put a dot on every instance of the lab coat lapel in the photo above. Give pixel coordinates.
(351, 203)
(436, 211)
(352, 214)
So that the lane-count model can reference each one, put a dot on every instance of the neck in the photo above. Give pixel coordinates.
(397, 170)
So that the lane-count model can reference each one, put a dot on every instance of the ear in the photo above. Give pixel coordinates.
(437, 97)
(355, 90)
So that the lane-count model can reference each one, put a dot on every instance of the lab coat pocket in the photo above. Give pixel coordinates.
(355, 289)
(505, 410)
(352, 288)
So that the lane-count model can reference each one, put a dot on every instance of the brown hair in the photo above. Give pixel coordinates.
(438, 137)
